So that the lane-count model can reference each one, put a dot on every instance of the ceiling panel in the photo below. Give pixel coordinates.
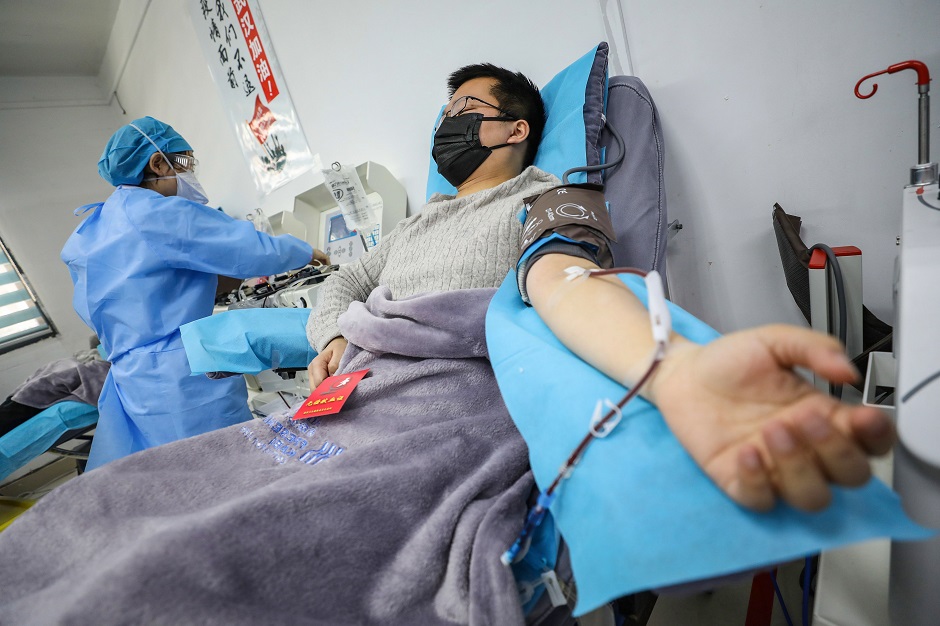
(54, 37)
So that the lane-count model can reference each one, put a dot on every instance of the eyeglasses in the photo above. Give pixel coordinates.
(184, 161)
(468, 104)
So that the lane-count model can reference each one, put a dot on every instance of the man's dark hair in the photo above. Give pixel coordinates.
(514, 92)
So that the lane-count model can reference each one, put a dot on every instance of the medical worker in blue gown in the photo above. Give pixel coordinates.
(147, 261)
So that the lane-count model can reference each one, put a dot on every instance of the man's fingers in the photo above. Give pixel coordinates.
(312, 373)
(752, 488)
(335, 358)
(317, 370)
(793, 346)
(843, 460)
(873, 429)
(800, 481)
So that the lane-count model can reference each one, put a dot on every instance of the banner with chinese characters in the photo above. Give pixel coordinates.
(241, 59)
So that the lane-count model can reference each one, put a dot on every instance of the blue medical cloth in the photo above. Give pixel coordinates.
(143, 265)
(248, 341)
(37, 434)
(128, 151)
(637, 512)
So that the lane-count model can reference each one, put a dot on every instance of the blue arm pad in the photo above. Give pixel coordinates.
(37, 434)
(637, 512)
(248, 341)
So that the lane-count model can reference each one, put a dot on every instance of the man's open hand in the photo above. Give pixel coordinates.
(760, 431)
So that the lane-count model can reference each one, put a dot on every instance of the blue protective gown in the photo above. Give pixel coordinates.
(143, 265)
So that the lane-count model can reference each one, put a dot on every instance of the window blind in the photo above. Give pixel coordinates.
(22, 320)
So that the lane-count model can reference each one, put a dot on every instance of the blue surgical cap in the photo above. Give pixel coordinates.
(127, 152)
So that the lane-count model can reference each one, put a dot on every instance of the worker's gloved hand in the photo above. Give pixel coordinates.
(220, 375)
(319, 258)
(759, 430)
(326, 362)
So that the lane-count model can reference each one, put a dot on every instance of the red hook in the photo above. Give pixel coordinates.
(923, 76)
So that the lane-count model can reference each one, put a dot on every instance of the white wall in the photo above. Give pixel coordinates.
(757, 105)
(48, 167)
(52, 131)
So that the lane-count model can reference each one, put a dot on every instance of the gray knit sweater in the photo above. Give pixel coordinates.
(453, 243)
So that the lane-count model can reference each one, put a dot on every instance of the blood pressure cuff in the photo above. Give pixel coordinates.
(568, 219)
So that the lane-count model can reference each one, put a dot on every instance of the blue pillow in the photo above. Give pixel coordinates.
(575, 101)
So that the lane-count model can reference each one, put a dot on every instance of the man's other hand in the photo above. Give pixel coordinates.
(326, 363)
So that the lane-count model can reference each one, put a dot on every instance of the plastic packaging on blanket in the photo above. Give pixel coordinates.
(248, 341)
(637, 513)
(40, 432)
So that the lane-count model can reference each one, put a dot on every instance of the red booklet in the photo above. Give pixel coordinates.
(330, 396)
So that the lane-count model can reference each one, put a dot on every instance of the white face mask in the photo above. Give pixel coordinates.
(187, 185)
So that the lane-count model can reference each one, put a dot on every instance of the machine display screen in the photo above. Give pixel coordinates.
(338, 228)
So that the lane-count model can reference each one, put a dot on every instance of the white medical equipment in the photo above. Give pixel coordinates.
(318, 219)
(823, 292)
(856, 586)
(915, 568)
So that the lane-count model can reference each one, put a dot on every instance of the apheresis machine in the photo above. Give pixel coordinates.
(345, 216)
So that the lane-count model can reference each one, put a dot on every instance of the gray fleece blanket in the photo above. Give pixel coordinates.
(394, 511)
(64, 379)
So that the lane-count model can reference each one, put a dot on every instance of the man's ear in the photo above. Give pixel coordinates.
(520, 132)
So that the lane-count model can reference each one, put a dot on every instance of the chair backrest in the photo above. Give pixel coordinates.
(794, 254)
(635, 188)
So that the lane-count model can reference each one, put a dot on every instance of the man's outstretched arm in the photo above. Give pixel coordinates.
(758, 430)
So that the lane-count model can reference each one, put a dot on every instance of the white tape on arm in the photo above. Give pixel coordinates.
(660, 320)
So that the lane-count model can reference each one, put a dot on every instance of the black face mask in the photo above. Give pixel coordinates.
(457, 149)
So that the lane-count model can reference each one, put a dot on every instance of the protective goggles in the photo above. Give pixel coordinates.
(184, 161)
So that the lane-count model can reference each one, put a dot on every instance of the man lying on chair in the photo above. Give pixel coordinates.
(755, 427)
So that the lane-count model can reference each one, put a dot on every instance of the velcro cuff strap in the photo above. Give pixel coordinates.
(578, 212)
(577, 204)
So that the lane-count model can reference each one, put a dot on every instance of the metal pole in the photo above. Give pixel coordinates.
(923, 125)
